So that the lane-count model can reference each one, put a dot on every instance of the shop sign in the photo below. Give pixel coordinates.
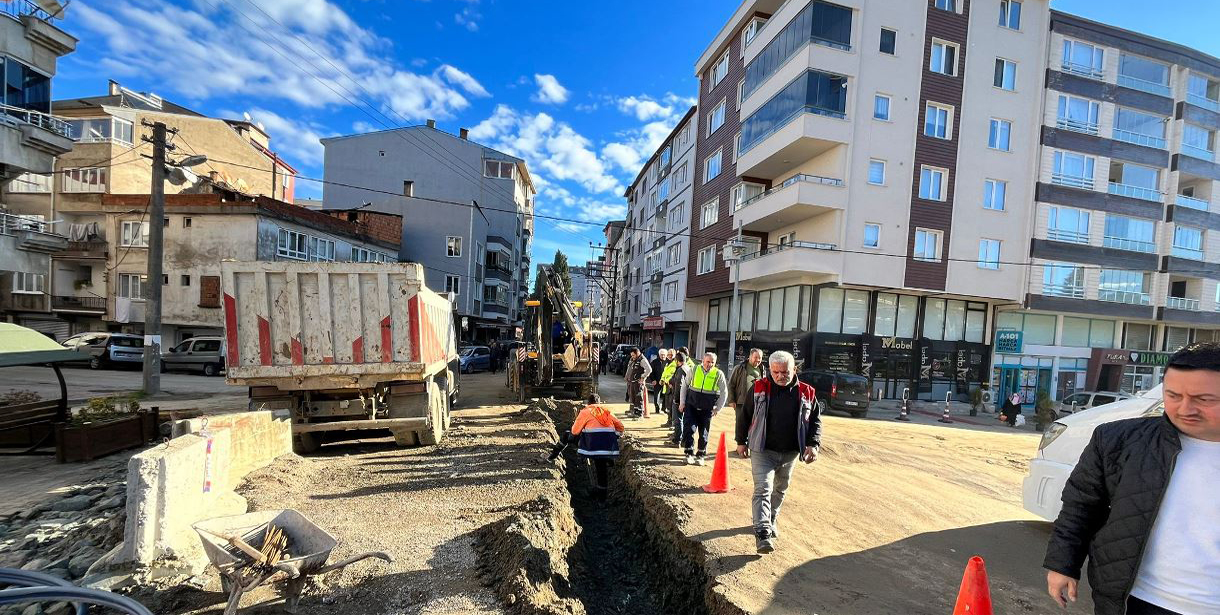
(654, 322)
(962, 366)
(1009, 342)
(1158, 359)
(744, 336)
(893, 343)
(925, 366)
(866, 361)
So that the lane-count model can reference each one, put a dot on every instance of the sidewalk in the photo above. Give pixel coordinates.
(929, 413)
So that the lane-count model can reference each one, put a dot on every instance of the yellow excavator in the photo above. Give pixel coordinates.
(558, 352)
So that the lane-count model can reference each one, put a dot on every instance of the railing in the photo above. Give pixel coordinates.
(1072, 181)
(10, 224)
(1089, 128)
(1182, 303)
(1082, 70)
(62, 302)
(1139, 138)
(1124, 296)
(42, 120)
(1193, 254)
(1191, 202)
(1144, 85)
(1055, 234)
(1137, 192)
(1060, 290)
(17, 8)
(810, 245)
(1133, 245)
(1201, 153)
(800, 177)
(787, 120)
(1199, 100)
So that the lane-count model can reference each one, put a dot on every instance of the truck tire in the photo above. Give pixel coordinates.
(211, 369)
(403, 437)
(436, 409)
(305, 443)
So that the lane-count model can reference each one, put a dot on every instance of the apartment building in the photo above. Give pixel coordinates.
(874, 157)
(656, 240)
(1125, 241)
(30, 138)
(467, 215)
(611, 271)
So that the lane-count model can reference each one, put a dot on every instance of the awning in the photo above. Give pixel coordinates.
(22, 346)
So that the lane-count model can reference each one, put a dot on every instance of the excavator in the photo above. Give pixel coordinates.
(558, 351)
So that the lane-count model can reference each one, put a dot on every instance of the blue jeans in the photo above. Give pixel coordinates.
(772, 472)
(675, 418)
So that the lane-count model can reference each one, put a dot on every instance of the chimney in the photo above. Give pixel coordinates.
(431, 123)
(114, 88)
(464, 133)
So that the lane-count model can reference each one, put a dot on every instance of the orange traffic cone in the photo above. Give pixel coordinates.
(720, 471)
(974, 597)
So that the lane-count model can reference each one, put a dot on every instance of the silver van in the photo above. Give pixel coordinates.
(204, 354)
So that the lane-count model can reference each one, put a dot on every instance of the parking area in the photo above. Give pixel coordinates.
(84, 383)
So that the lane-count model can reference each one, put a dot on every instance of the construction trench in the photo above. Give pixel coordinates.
(568, 552)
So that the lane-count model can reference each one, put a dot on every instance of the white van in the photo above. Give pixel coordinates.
(1064, 441)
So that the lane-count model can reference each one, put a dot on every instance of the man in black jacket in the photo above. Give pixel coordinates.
(1142, 503)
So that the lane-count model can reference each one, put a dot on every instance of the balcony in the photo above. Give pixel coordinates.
(39, 131)
(1194, 254)
(1062, 290)
(31, 234)
(1072, 181)
(1083, 70)
(1137, 192)
(1199, 100)
(84, 250)
(1139, 138)
(1201, 153)
(1088, 128)
(796, 198)
(1066, 236)
(1181, 200)
(1131, 245)
(82, 305)
(799, 262)
(504, 274)
(1143, 85)
(1124, 296)
(1182, 303)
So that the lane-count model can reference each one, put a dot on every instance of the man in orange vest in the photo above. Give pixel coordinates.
(597, 432)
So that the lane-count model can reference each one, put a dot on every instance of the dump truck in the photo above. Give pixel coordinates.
(559, 352)
(343, 346)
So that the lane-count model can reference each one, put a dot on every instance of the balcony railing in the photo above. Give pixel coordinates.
(1124, 296)
(1193, 254)
(1082, 70)
(1144, 85)
(1060, 290)
(1139, 138)
(1133, 245)
(800, 177)
(1137, 192)
(1203, 101)
(1089, 128)
(809, 245)
(17, 8)
(1189, 201)
(1072, 181)
(45, 121)
(1201, 153)
(1055, 234)
(62, 302)
(1182, 303)
(10, 224)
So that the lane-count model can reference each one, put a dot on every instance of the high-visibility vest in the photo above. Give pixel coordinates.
(705, 382)
(666, 374)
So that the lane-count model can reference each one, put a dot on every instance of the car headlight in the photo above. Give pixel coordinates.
(1054, 431)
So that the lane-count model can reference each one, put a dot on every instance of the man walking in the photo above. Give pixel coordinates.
(603, 359)
(1141, 503)
(741, 383)
(781, 423)
(637, 373)
(681, 373)
(665, 395)
(702, 397)
(654, 379)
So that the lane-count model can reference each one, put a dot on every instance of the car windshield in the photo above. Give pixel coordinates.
(129, 342)
(466, 352)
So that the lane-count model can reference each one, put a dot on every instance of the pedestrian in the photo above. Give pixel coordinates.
(1141, 503)
(494, 351)
(782, 423)
(637, 373)
(665, 397)
(597, 432)
(603, 359)
(1011, 410)
(741, 383)
(681, 373)
(654, 379)
(702, 397)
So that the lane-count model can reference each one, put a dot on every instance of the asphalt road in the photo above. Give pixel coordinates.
(84, 383)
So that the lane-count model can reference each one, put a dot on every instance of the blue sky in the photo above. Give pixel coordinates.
(583, 91)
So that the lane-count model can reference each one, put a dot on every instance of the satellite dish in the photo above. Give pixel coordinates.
(246, 114)
(261, 127)
(179, 176)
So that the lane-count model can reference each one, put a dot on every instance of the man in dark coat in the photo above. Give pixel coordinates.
(1141, 503)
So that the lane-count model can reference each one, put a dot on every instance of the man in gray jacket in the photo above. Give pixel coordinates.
(701, 398)
(638, 370)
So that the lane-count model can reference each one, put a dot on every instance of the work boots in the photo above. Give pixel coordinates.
(764, 542)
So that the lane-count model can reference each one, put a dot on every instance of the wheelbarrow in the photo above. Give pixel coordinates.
(234, 546)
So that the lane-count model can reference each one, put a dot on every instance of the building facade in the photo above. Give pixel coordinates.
(467, 215)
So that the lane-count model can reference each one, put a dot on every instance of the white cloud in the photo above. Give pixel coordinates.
(644, 108)
(361, 127)
(463, 80)
(550, 91)
(635, 146)
(468, 18)
(622, 155)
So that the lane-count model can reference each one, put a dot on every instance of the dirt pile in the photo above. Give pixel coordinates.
(524, 558)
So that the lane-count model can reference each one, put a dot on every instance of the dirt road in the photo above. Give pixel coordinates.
(882, 523)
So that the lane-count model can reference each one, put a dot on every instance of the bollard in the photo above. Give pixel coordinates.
(944, 418)
(905, 408)
(1073, 407)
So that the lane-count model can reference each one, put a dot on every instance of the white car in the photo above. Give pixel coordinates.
(1064, 441)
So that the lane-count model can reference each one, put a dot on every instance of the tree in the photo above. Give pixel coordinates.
(561, 269)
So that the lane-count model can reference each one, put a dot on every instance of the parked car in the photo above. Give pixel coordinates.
(1065, 439)
(1088, 399)
(474, 357)
(103, 349)
(618, 357)
(205, 354)
(839, 391)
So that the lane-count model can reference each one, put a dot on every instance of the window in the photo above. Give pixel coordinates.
(1083, 59)
(994, 192)
(134, 235)
(1130, 234)
(665, 156)
(1067, 224)
(1078, 114)
(707, 260)
(1087, 332)
(881, 107)
(453, 284)
(751, 30)
(1005, 74)
(720, 71)
(1063, 280)
(876, 172)
(745, 193)
(888, 38)
(675, 218)
(1135, 181)
(716, 119)
(872, 235)
(671, 291)
(663, 189)
(937, 119)
(1139, 128)
(1198, 142)
(86, 180)
(453, 246)
(186, 222)
(1123, 286)
(184, 280)
(819, 23)
(1072, 169)
(26, 283)
(679, 176)
(814, 92)
(895, 315)
(839, 310)
(101, 130)
(673, 255)
(24, 87)
(950, 320)
(932, 183)
(709, 214)
(1010, 14)
(1143, 74)
(498, 169)
(1188, 242)
(30, 182)
(946, 5)
(321, 249)
(291, 245)
(989, 254)
(927, 245)
(711, 167)
(1203, 92)
(944, 58)
(131, 285)
(1000, 135)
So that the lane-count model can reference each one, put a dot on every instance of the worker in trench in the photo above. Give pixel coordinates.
(596, 432)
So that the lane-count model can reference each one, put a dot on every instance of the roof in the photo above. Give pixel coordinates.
(22, 346)
(1133, 41)
(119, 100)
(686, 118)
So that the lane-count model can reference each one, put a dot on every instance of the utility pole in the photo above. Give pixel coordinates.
(734, 312)
(156, 252)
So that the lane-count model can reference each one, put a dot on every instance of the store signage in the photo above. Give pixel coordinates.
(1158, 359)
(961, 365)
(744, 336)
(1117, 357)
(893, 343)
(654, 322)
(866, 362)
(1009, 342)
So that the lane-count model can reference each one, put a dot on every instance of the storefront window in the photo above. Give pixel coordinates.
(855, 312)
(976, 324)
(792, 307)
(955, 320)
(1009, 320)
(746, 318)
(713, 315)
(887, 315)
(1040, 329)
(908, 310)
(1087, 332)
(1176, 338)
(830, 310)
(1101, 334)
(1137, 337)
(776, 319)
(934, 319)
(764, 311)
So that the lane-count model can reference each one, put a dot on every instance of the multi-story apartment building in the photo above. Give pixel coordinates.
(874, 157)
(657, 236)
(611, 273)
(1126, 239)
(30, 139)
(467, 215)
